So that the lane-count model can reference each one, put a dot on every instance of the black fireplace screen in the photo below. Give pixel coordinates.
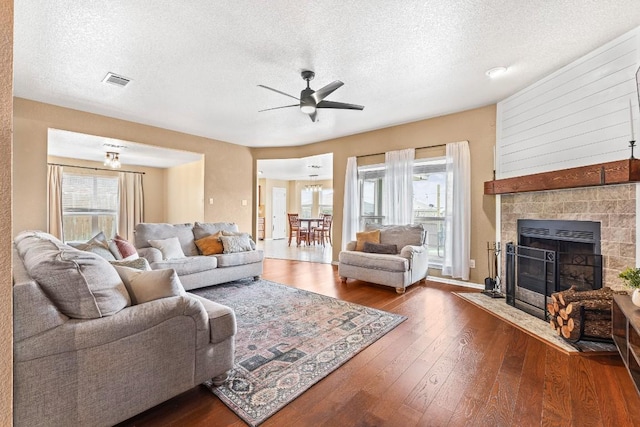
(551, 256)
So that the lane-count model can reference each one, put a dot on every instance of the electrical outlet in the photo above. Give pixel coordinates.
(472, 263)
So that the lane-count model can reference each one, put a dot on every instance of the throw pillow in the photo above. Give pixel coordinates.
(233, 244)
(126, 249)
(210, 245)
(98, 245)
(380, 248)
(145, 286)
(366, 236)
(240, 233)
(138, 263)
(170, 248)
(81, 284)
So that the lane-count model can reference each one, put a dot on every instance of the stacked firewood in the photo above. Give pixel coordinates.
(577, 315)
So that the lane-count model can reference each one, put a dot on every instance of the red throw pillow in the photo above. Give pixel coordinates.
(127, 250)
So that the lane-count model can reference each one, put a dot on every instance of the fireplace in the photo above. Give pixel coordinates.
(551, 256)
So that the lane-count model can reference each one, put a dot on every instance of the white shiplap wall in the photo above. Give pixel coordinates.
(577, 116)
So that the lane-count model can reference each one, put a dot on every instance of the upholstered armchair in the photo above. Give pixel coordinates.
(389, 255)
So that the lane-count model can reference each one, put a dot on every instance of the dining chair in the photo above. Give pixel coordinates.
(295, 230)
(322, 233)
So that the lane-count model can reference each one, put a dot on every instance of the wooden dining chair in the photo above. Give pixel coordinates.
(295, 230)
(322, 233)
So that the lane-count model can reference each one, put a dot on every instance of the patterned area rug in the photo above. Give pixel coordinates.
(289, 339)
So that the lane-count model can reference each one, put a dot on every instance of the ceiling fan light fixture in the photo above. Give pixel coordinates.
(308, 109)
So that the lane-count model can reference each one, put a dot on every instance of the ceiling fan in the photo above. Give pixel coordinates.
(310, 100)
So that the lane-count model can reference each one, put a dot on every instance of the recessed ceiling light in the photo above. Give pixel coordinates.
(496, 71)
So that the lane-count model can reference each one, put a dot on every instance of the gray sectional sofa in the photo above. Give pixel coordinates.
(85, 356)
(196, 271)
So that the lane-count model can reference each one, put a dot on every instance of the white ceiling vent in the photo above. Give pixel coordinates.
(115, 79)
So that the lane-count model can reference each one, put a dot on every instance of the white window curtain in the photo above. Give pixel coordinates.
(54, 182)
(131, 204)
(351, 208)
(458, 211)
(397, 202)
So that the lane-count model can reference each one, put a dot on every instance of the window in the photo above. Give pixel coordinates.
(429, 198)
(326, 201)
(89, 205)
(306, 203)
(370, 181)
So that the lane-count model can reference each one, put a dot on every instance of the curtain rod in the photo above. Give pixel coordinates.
(417, 148)
(95, 169)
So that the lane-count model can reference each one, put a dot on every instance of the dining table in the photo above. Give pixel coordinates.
(310, 223)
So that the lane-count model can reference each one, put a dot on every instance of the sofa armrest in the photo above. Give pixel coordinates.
(222, 319)
(151, 254)
(418, 257)
(78, 334)
(351, 246)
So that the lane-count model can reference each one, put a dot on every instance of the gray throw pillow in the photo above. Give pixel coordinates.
(234, 244)
(98, 244)
(145, 286)
(138, 263)
(170, 248)
(380, 248)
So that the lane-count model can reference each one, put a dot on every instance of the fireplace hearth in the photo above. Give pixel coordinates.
(551, 256)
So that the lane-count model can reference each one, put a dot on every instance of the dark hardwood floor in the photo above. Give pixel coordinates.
(449, 364)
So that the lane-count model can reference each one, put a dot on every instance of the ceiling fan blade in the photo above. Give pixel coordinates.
(339, 105)
(277, 108)
(322, 93)
(278, 91)
(313, 116)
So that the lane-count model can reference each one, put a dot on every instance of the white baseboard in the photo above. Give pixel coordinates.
(455, 282)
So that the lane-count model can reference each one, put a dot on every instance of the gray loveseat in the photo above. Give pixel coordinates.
(407, 262)
(197, 271)
(84, 356)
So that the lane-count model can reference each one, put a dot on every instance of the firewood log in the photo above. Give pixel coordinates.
(563, 314)
(551, 309)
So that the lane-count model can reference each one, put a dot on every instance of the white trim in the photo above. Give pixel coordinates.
(455, 282)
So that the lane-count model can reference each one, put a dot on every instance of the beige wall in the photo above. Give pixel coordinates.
(6, 113)
(154, 182)
(477, 126)
(228, 176)
(185, 193)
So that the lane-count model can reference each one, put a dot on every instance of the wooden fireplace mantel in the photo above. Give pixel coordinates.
(618, 172)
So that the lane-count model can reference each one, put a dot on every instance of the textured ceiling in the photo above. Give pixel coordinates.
(195, 66)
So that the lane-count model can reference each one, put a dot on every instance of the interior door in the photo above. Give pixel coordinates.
(279, 212)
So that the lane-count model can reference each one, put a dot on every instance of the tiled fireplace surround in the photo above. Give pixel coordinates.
(614, 206)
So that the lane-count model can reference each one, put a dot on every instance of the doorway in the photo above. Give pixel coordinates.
(279, 212)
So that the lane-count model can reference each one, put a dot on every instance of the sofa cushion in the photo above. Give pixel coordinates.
(384, 262)
(380, 248)
(372, 236)
(145, 286)
(400, 235)
(239, 258)
(210, 245)
(170, 248)
(152, 231)
(189, 265)
(204, 229)
(235, 244)
(81, 284)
